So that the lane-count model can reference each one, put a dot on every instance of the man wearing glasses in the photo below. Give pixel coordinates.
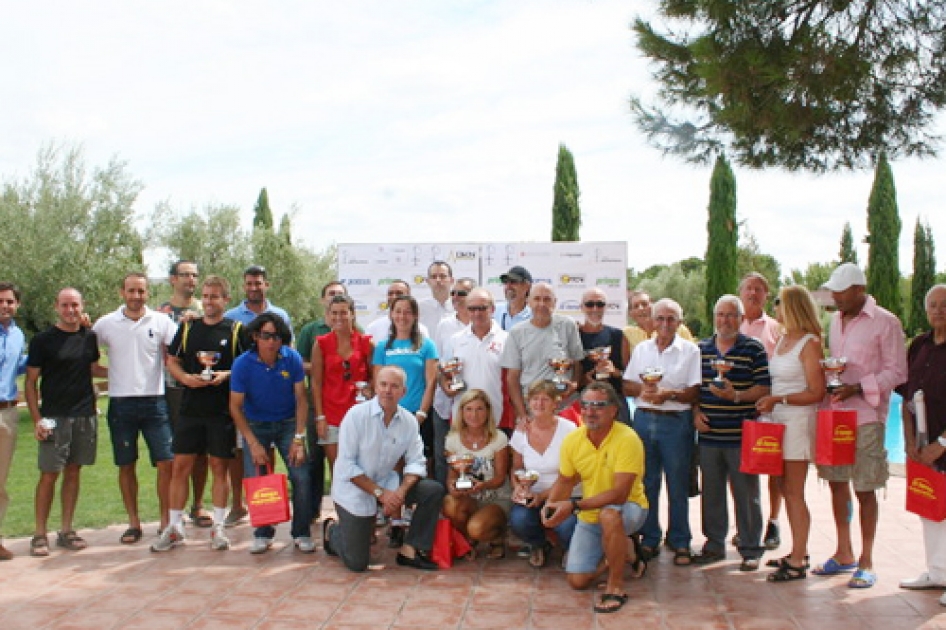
(607, 458)
(438, 306)
(517, 283)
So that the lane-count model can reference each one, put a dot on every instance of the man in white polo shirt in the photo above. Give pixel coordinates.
(136, 339)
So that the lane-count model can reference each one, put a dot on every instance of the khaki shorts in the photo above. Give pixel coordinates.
(869, 471)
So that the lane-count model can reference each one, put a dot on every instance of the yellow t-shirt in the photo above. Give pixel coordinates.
(621, 452)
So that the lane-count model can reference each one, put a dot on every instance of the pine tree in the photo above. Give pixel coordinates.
(848, 253)
(924, 276)
(722, 246)
(566, 214)
(883, 227)
(262, 215)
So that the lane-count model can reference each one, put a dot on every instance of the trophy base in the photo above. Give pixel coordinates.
(718, 382)
(561, 386)
(833, 388)
(463, 484)
(458, 388)
(601, 377)
(204, 376)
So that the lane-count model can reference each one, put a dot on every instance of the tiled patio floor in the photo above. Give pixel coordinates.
(115, 586)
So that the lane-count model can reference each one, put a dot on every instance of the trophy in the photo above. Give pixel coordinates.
(526, 479)
(651, 376)
(560, 365)
(462, 463)
(598, 355)
(452, 368)
(49, 425)
(208, 359)
(360, 391)
(833, 366)
(721, 366)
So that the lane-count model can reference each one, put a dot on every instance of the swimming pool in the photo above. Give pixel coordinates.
(894, 438)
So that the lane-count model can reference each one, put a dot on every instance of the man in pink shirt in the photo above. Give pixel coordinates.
(754, 293)
(871, 339)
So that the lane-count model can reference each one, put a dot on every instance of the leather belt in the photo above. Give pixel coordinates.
(662, 412)
(6, 404)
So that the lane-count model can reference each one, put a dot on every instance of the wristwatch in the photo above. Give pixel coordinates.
(575, 508)
(378, 491)
(942, 441)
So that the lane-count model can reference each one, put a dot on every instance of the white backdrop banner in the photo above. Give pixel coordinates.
(571, 268)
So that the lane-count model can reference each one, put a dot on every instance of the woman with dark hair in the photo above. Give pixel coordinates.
(340, 360)
(268, 405)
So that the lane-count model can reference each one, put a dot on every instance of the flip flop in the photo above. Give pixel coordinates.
(602, 607)
(131, 536)
(862, 578)
(201, 517)
(833, 567)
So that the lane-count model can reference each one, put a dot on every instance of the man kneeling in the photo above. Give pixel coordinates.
(607, 457)
(373, 436)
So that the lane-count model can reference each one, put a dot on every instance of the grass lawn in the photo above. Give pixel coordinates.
(100, 502)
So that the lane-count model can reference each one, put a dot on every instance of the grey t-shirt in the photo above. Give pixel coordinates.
(529, 348)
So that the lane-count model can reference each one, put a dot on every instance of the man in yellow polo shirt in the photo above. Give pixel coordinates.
(607, 457)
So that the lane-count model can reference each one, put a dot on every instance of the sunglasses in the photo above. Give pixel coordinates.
(269, 336)
(477, 309)
(459, 293)
(594, 404)
(595, 304)
(346, 365)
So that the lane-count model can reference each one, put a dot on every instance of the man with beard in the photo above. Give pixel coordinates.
(517, 282)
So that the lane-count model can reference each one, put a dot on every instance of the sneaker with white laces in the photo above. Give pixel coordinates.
(261, 545)
(170, 537)
(922, 582)
(218, 538)
(305, 544)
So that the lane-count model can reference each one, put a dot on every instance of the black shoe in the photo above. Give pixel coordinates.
(419, 561)
(772, 539)
(397, 538)
(327, 526)
(708, 557)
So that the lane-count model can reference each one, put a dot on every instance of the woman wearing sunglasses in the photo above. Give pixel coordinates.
(613, 348)
(340, 360)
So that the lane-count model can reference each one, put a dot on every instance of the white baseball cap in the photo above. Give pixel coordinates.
(845, 277)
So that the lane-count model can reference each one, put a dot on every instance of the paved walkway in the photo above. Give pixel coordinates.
(114, 586)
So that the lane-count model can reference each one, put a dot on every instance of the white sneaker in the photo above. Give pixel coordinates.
(942, 599)
(921, 582)
(170, 537)
(305, 544)
(218, 538)
(261, 545)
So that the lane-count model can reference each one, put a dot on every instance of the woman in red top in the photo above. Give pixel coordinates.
(340, 360)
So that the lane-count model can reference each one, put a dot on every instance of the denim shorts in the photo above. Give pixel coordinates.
(586, 550)
(146, 415)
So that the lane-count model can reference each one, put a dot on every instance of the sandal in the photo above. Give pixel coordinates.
(497, 551)
(70, 540)
(833, 567)
(39, 547)
(787, 573)
(649, 553)
(775, 563)
(603, 607)
(131, 536)
(682, 557)
(639, 564)
(201, 517)
(539, 556)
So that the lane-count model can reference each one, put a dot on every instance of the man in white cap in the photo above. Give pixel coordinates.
(871, 339)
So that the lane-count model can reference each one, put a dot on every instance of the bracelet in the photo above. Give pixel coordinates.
(575, 508)
(322, 417)
(421, 414)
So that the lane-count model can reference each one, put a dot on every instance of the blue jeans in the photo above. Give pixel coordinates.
(279, 434)
(526, 523)
(668, 446)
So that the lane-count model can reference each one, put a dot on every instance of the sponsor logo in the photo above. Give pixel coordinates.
(351, 282)
(419, 279)
(843, 434)
(464, 255)
(361, 307)
(570, 305)
(385, 281)
(545, 280)
(571, 254)
(494, 280)
(572, 280)
(767, 445)
(608, 282)
(265, 496)
(922, 488)
(614, 306)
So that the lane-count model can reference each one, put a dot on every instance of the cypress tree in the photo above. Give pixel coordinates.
(262, 215)
(566, 214)
(722, 246)
(883, 227)
(924, 276)
(848, 253)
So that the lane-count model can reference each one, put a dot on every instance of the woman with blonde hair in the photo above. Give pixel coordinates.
(797, 388)
(480, 512)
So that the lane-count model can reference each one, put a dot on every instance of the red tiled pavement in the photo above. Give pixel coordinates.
(114, 586)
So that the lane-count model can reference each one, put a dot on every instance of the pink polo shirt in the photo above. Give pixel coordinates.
(766, 329)
(873, 344)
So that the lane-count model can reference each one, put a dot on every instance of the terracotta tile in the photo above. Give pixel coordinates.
(311, 611)
(571, 619)
(695, 621)
(147, 620)
(761, 619)
(253, 606)
(630, 617)
(33, 617)
(100, 620)
(415, 614)
(367, 615)
(316, 590)
(224, 622)
(495, 618)
(562, 599)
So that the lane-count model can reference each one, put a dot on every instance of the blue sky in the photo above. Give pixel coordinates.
(398, 122)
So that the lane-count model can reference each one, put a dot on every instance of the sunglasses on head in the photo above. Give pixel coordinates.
(595, 304)
(459, 293)
(594, 404)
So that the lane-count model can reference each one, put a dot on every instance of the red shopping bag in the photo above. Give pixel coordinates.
(448, 544)
(267, 498)
(926, 491)
(836, 441)
(762, 448)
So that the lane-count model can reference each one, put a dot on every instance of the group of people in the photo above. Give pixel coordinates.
(496, 417)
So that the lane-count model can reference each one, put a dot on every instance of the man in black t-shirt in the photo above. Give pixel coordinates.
(59, 371)
(204, 425)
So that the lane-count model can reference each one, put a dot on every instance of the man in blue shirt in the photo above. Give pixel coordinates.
(255, 286)
(374, 436)
(12, 364)
(516, 285)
